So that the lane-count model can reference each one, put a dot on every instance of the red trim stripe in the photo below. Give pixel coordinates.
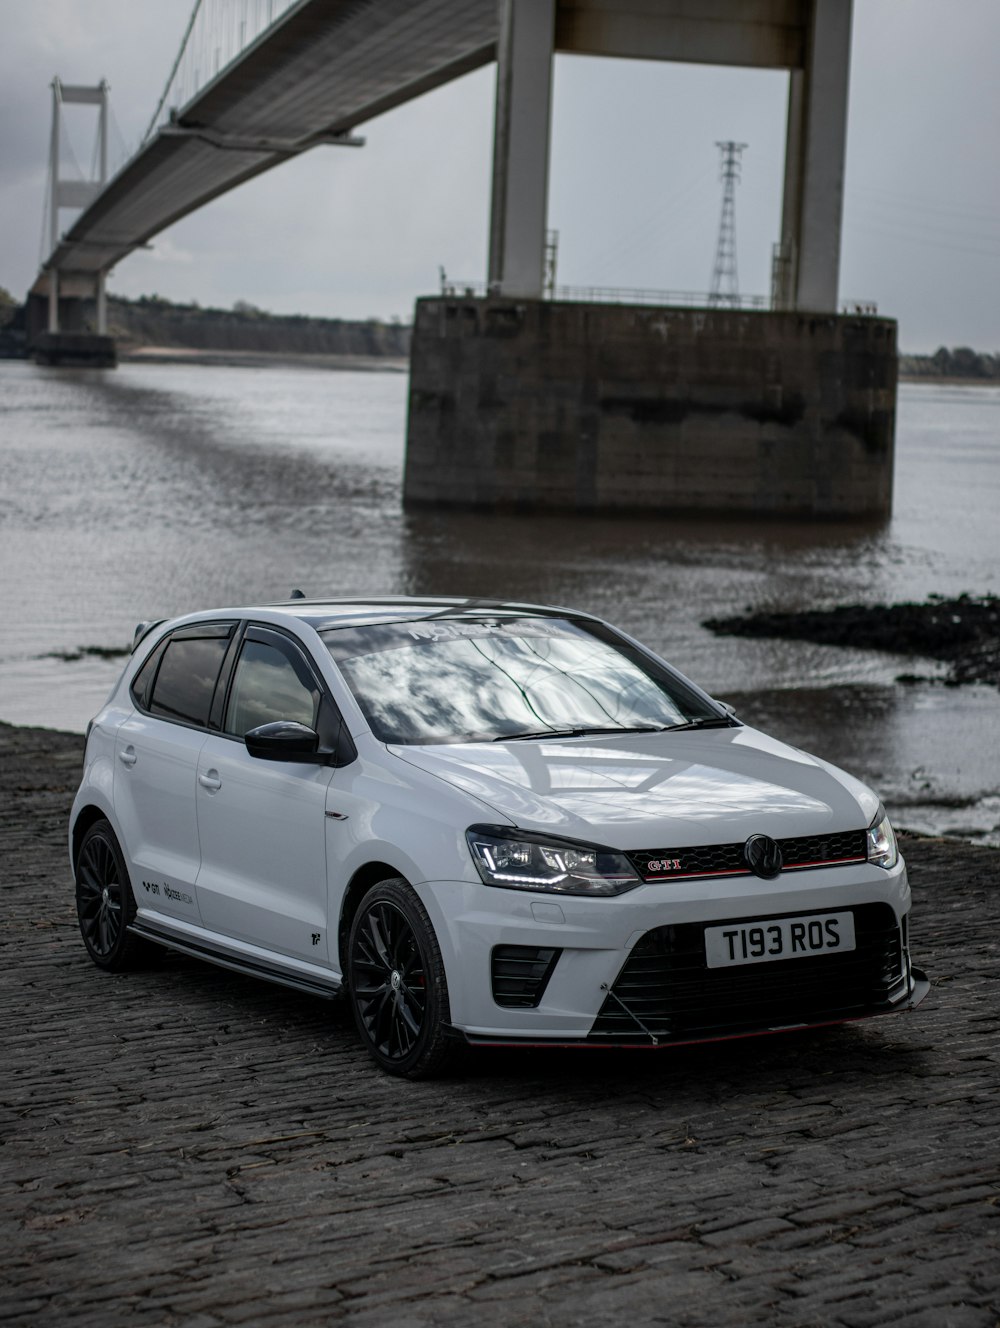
(745, 871)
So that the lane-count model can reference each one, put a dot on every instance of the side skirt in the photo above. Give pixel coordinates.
(248, 967)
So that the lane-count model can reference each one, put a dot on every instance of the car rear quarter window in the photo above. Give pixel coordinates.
(185, 681)
(143, 680)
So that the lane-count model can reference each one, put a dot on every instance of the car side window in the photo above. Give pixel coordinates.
(268, 684)
(185, 681)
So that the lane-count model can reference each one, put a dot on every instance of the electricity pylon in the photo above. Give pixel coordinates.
(725, 288)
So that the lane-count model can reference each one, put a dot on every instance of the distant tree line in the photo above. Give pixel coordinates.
(961, 362)
(151, 320)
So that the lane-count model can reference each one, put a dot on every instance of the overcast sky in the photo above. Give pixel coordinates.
(634, 192)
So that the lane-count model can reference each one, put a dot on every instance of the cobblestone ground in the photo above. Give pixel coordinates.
(183, 1146)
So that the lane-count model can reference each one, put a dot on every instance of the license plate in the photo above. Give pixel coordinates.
(779, 938)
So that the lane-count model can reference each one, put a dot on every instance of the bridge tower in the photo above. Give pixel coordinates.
(809, 38)
(67, 293)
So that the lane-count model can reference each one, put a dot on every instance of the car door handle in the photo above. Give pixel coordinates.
(210, 780)
(128, 756)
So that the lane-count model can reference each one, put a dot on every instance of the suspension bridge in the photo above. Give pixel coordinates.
(788, 409)
(255, 83)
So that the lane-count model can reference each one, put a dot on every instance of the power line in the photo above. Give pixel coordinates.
(913, 203)
(638, 238)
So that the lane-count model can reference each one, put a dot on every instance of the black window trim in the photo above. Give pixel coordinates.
(268, 635)
(340, 741)
(217, 629)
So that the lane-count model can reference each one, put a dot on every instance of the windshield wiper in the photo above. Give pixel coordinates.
(713, 722)
(585, 732)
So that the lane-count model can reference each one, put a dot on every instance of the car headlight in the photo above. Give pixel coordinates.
(882, 847)
(524, 860)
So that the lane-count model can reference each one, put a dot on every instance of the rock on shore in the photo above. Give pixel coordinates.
(963, 632)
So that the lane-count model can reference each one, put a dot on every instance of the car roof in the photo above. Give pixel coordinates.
(357, 611)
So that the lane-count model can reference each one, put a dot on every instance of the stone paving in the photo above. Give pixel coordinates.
(184, 1146)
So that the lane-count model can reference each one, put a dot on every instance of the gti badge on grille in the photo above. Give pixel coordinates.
(663, 864)
(763, 856)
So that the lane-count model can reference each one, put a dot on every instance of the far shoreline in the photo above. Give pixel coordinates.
(256, 359)
(261, 359)
(947, 381)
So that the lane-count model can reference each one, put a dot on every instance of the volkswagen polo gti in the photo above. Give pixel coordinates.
(484, 822)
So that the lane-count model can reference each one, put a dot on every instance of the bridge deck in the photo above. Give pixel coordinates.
(327, 66)
(324, 68)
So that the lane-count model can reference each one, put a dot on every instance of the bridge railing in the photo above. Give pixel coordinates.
(636, 295)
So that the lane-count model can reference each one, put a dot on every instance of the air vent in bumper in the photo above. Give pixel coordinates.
(520, 974)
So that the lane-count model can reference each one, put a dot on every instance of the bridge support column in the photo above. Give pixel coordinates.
(521, 147)
(53, 300)
(812, 207)
(101, 302)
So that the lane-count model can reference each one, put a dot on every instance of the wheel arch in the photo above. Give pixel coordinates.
(85, 818)
(359, 885)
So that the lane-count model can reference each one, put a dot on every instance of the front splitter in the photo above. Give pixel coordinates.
(919, 990)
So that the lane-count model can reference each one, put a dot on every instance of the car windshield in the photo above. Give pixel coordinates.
(448, 680)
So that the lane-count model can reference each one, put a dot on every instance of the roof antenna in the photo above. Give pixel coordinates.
(296, 594)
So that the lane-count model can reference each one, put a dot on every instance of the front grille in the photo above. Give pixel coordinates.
(677, 864)
(824, 850)
(667, 990)
(520, 974)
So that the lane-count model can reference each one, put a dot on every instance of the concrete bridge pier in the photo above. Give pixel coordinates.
(67, 321)
(535, 405)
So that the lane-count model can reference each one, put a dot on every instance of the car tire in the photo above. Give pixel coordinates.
(105, 905)
(397, 985)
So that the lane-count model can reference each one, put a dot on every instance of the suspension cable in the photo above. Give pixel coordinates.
(173, 73)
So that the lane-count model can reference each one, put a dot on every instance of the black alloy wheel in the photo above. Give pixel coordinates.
(104, 902)
(398, 990)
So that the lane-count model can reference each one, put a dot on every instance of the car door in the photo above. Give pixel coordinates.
(261, 823)
(156, 761)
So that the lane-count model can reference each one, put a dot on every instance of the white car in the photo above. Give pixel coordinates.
(488, 823)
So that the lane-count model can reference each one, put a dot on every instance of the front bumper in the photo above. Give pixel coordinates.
(631, 971)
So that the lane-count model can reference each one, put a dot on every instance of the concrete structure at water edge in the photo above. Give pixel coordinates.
(533, 404)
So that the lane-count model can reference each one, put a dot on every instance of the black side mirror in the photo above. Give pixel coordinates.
(284, 740)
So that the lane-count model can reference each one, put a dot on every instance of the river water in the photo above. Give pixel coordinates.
(158, 488)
